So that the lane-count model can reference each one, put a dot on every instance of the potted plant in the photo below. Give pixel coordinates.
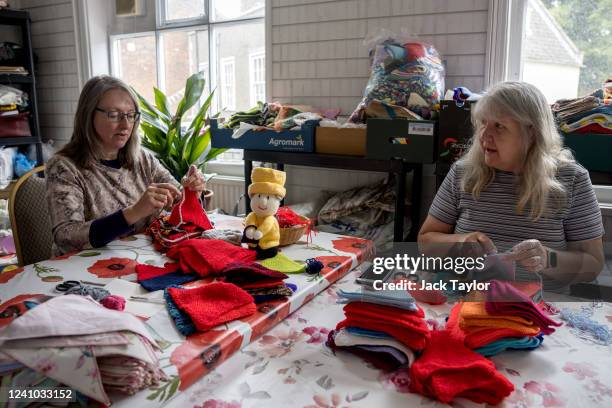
(176, 144)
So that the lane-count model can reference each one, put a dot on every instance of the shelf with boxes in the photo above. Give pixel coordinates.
(395, 146)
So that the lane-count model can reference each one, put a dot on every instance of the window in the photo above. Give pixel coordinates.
(257, 80)
(228, 85)
(134, 60)
(561, 46)
(225, 39)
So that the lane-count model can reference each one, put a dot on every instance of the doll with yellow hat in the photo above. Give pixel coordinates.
(266, 192)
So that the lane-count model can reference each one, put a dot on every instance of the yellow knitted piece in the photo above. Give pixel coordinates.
(283, 264)
(473, 315)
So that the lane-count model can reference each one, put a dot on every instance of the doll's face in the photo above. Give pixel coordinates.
(265, 204)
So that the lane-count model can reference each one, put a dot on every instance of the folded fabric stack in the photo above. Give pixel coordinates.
(75, 341)
(383, 327)
(187, 220)
(507, 320)
(154, 278)
(589, 114)
(262, 283)
(208, 257)
(448, 370)
(207, 306)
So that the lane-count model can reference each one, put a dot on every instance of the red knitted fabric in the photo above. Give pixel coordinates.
(189, 211)
(208, 256)
(448, 370)
(383, 312)
(260, 285)
(405, 334)
(213, 304)
(145, 271)
(241, 273)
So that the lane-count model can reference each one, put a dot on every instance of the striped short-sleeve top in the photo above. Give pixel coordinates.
(494, 213)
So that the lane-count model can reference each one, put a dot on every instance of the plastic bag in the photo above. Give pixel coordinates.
(47, 151)
(22, 165)
(6, 165)
(402, 67)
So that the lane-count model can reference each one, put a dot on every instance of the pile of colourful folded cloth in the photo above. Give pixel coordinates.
(507, 319)
(447, 370)
(187, 220)
(262, 283)
(74, 341)
(589, 114)
(382, 327)
(202, 308)
(207, 257)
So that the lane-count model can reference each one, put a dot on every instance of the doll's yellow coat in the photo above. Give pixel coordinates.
(268, 226)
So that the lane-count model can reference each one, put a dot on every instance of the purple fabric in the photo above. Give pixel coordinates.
(240, 273)
(382, 360)
(163, 281)
(505, 299)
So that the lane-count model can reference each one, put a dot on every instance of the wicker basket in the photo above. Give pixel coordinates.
(291, 235)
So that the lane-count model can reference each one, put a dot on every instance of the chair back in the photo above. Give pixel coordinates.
(30, 219)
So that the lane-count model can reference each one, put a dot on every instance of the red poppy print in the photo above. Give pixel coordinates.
(113, 267)
(7, 275)
(17, 306)
(398, 380)
(202, 352)
(334, 267)
(268, 315)
(363, 248)
(65, 256)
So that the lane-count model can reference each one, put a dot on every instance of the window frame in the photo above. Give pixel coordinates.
(205, 22)
(223, 63)
(254, 56)
(506, 21)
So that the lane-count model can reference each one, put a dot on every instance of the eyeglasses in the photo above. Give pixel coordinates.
(116, 116)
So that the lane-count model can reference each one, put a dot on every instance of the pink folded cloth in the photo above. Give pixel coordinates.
(504, 299)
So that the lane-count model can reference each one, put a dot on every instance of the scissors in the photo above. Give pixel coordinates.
(66, 285)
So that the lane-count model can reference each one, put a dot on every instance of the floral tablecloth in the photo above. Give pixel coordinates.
(290, 366)
(185, 360)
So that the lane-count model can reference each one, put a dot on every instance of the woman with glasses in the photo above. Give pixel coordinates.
(102, 185)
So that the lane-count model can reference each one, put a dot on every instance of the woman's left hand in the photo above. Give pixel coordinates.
(531, 255)
(194, 180)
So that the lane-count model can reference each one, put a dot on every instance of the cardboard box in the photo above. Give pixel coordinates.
(286, 141)
(411, 140)
(344, 141)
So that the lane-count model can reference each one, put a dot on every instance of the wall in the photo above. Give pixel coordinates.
(318, 57)
(55, 43)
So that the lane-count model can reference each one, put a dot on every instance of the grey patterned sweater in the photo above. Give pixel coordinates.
(76, 197)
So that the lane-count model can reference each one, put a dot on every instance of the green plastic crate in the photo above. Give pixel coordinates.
(592, 150)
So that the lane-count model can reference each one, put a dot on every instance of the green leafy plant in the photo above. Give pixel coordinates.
(174, 145)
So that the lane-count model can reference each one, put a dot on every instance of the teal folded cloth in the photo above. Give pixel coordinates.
(510, 343)
(358, 331)
(182, 320)
(395, 298)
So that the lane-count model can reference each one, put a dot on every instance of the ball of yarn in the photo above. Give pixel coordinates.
(87, 290)
(313, 266)
(114, 302)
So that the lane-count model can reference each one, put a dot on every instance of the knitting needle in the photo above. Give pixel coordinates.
(92, 283)
(144, 299)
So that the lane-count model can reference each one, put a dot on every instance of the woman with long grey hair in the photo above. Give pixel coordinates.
(102, 185)
(518, 190)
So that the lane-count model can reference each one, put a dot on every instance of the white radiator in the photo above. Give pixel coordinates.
(227, 190)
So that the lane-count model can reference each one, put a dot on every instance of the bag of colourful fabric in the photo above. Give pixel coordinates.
(404, 73)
